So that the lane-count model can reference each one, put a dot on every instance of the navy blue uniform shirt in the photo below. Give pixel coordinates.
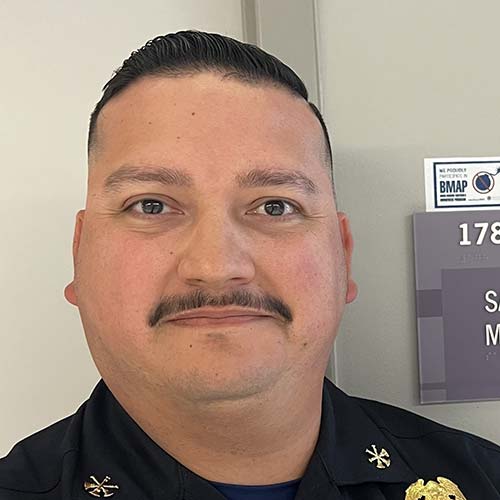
(366, 450)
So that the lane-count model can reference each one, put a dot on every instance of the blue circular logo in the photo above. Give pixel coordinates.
(483, 182)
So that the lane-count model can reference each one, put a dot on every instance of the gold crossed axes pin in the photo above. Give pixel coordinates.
(100, 489)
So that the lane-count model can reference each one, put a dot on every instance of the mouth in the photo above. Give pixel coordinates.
(223, 321)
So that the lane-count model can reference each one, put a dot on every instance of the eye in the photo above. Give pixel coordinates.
(276, 209)
(150, 207)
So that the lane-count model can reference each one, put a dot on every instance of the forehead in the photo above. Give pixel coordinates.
(205, 120)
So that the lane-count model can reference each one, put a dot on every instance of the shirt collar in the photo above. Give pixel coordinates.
(112, 444)
(346, 433)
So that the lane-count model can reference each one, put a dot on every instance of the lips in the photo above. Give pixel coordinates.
(214, 322)
(219, 315)
(212, 317)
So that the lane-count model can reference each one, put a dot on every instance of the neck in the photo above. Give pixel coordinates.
(265, 439)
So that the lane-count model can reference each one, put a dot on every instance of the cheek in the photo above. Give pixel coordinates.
(314, 270)
(316, 283)
(307, 278)
(123, 280)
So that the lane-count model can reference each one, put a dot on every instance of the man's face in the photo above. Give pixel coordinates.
(137, 264)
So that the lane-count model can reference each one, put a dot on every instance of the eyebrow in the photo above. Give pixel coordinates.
(128, 175)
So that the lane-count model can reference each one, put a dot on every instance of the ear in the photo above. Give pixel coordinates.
(69, 291)
(347, 243)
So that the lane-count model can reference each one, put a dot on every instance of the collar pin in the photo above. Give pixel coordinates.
(382, 458)
(100, 489)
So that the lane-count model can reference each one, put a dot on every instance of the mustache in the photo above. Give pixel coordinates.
(172, 305)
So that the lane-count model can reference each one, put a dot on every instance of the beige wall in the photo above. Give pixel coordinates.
(56, 56)
(402, 80)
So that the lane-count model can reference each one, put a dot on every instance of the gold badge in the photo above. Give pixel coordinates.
(444, 489)
(382, 457)
(100, 488)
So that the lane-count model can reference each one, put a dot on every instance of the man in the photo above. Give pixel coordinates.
(211, 272)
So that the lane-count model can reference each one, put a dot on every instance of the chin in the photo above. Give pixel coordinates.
(223, 385)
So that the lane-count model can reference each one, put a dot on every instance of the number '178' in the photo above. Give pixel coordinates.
(483, 229)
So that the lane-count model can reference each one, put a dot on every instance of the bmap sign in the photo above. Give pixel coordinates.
(457, 268)
(462, 183)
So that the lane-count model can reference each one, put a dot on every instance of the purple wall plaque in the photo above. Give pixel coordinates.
(457, 274)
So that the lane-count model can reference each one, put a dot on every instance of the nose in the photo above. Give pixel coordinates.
(216, 254)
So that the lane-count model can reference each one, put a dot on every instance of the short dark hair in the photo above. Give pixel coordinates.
(190, 52)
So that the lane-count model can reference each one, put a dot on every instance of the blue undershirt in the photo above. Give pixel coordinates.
(280, 491)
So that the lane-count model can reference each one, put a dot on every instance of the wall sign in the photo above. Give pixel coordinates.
(457, 269)
(462, 183)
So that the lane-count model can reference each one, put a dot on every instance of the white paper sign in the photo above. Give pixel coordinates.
(462, 184)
